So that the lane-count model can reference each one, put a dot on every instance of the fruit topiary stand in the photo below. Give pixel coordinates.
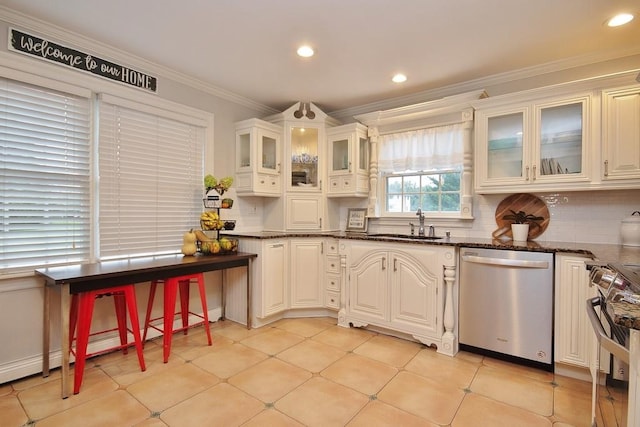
(210, 219)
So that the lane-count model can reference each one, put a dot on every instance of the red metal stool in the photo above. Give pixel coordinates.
(171, 287)
(80, 315)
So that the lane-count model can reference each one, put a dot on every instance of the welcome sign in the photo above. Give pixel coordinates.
(49, 51)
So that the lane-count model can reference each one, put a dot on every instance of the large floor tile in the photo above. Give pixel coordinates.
(270, 380)
(452, 371)
(343, 338)
(380, 414)
(360, 373)
(235, 331)
(572, 404)
(221, 405)
(306, 327)
(423, 397)
(272, 341)
(271, 418)
(45, 399)
(522, 391)
(311, 355)
(12, 412)
(390, 350)
(159, 392)
(322, 403)
(227, 361)
(113, 409)
(478, 410)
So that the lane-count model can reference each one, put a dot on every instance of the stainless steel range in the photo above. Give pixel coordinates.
(618, 288)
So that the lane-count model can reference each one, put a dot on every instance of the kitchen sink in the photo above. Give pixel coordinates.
(406, 236)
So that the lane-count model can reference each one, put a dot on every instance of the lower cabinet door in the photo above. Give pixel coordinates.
(307, 273)
(274, 280)
(368, 289)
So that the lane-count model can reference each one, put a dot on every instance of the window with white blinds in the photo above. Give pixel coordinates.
(150, 183)
(44, 176)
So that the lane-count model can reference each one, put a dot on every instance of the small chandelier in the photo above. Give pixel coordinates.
(304, 111)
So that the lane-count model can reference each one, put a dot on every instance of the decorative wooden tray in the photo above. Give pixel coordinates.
(521, 202)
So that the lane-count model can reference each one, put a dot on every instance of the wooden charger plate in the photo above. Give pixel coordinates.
(526, 202)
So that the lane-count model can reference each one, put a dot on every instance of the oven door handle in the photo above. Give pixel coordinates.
(610, 345)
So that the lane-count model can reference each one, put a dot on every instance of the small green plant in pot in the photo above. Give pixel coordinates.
(520, 222)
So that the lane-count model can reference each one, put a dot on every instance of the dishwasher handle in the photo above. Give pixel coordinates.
(601, 335)
(505, 262)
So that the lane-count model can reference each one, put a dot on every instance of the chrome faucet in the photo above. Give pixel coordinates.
(421, 226)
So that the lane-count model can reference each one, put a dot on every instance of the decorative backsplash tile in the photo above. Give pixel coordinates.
(581, 216)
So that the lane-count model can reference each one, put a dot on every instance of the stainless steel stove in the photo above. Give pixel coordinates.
(616, 284)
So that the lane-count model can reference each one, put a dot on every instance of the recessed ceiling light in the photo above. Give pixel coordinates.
(399, 78)
(305, 51)
(620, 19)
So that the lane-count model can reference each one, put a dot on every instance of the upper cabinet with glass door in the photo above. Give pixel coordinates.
(348, 147)
(258, 158)
(540, 145)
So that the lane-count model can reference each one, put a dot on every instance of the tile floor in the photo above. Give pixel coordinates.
(299, 372)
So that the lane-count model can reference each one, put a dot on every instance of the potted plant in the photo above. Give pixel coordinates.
(520, 222)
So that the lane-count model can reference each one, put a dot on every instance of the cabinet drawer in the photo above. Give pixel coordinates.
(333, 264)
(332, 247)
(332, 300)
(268, 183)
(333, 282)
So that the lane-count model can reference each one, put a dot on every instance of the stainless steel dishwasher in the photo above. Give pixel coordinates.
(506, 305)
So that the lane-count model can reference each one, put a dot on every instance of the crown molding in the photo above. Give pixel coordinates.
(488, 81)
(106, 51)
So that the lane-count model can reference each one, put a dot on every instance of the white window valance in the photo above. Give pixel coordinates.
(435, 148)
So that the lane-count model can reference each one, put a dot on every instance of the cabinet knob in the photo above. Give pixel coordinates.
(262, 181)
(335, 184)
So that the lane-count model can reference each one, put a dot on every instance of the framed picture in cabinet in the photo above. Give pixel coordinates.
(357, 220)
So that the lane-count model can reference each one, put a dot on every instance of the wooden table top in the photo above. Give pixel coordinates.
(105, 274)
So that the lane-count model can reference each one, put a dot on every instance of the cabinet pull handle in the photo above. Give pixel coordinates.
(349, 166)
(533, 175)
(395, 264)
(320, 224)
(384, 263)
(321, 247)
(278, 245)
(606, 168)
(278, 167)
(526, 174)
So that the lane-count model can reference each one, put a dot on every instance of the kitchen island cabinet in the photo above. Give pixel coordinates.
(400, 288)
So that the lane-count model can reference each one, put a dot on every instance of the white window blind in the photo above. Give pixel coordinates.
(44, 176)
(151, 171)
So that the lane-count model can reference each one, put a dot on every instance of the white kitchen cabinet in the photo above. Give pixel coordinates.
(621, 136)
(258, 158)
(397, 287)
(574, 337)
(304, 211)
(307, 272)
(332, 285)
(533, 145)
(348, 173)
(270, 276)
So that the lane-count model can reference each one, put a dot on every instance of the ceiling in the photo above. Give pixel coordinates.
(248, 47)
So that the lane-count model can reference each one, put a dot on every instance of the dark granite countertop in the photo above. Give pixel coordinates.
(601, 252)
